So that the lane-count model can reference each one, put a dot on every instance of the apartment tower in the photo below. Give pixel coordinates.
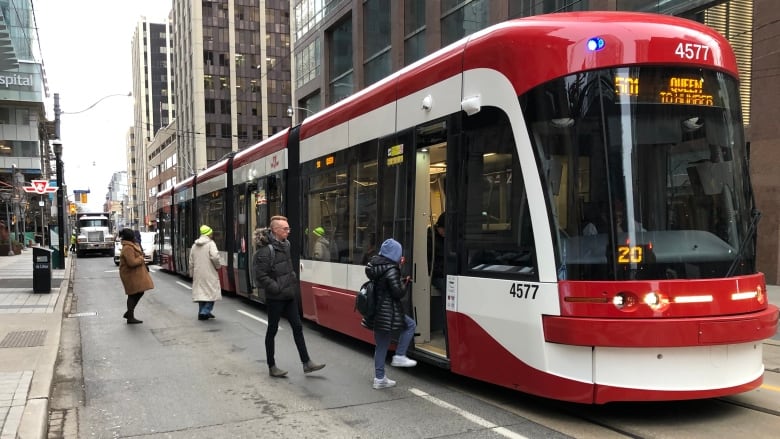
(152, 107)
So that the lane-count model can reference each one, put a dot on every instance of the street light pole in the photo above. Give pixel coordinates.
(41, 203)
(21, 204)
(291, 113)
(57, 145)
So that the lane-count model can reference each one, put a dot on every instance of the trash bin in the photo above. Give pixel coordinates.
(42, 270)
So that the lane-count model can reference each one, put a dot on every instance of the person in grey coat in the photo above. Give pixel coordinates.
(203, 269)
(273, 270)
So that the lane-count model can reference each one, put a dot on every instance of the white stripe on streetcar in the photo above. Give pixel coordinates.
(468, 415)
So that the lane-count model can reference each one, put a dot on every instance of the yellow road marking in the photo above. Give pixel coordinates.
(768, 387)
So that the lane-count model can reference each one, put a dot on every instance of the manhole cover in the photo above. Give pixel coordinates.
(23, 339)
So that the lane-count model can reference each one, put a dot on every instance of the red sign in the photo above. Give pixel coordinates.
(40, 187)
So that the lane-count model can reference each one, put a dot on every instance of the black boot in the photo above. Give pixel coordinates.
(132, 301)
(131, 320)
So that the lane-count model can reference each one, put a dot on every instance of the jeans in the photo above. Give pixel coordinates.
(288, 308)
(205, 307)
(382, 339)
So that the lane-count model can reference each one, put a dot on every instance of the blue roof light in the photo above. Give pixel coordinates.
(595, 43)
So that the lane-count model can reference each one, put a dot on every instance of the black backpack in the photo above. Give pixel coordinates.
(365, 300)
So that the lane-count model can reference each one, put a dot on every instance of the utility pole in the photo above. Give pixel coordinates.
(57, 145)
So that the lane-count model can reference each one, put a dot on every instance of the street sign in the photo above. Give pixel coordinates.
(40, 187)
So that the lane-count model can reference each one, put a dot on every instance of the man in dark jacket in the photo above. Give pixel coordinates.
(274, 272)
(385, 270)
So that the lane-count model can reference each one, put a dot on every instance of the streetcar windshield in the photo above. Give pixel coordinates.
(644, 172)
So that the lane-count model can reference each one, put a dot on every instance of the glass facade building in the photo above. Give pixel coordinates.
(24, 148)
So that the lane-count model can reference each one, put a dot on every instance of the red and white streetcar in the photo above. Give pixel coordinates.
(600, 230)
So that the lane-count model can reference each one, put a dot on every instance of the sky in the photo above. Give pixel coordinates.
(86, 49)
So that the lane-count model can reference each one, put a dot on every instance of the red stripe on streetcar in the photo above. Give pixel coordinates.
(645, 333)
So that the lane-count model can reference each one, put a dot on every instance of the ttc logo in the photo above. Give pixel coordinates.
(40, 187)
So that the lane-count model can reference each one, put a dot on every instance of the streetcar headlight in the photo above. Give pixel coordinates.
(656, 301)
(625, 301)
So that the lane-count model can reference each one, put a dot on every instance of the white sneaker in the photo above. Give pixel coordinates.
(402, 361)
(383, 383)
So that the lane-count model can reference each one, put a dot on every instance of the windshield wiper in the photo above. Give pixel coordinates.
(755, 216)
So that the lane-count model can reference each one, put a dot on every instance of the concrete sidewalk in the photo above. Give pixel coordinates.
(29, 340)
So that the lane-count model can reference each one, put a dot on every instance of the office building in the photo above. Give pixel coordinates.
(25, 152)
(153, 109)
(232, 68)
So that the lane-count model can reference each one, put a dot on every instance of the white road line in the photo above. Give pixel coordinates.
(254, 317)
(184, 285)
(468, 415)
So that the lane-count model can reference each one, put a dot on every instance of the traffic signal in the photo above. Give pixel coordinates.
(72, 208)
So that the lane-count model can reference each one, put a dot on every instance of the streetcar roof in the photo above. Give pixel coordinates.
(556, 44)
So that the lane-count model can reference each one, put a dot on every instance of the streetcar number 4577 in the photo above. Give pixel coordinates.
(692, 51)
(523, 291)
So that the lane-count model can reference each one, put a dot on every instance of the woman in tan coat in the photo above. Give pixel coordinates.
(133, 272)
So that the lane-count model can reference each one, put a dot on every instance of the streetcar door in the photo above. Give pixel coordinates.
(243, 239)
(430, 148)
(264, 202)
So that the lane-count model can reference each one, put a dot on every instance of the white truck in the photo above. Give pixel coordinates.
(94, 234)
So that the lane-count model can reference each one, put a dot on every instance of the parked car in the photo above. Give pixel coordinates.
(148, 243)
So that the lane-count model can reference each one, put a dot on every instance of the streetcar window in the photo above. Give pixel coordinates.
(363, 202)
(211, 211)
(328, 213)
(644, 172)
(498, 235)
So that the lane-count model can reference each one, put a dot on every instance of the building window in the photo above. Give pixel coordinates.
(307, 63)
(5, 116)
(210, 107)
(225, 128)
(224, 106)
(461, 18)
(526, 9)
(376, 37)
(341, 69)
(414, 30)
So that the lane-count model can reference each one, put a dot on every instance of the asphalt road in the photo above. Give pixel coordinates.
(175, 377)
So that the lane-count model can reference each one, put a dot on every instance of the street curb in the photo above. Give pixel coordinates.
(35, 418)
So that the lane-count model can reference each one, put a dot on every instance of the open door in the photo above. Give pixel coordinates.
(429, 202)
